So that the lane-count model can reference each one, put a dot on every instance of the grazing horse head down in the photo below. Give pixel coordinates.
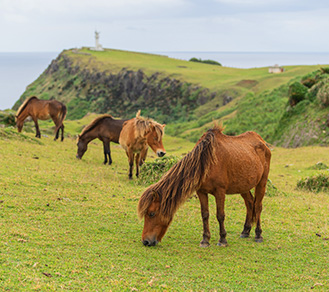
(219, 165)
(136, 135)
(42, 110)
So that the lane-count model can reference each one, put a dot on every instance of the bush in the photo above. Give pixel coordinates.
(323, 95)
(151, 172)
(315, 183)
(297, 93)
(210, 62)
(272, 190)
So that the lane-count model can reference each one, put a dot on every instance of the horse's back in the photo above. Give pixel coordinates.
(241, 162)
(111, 129)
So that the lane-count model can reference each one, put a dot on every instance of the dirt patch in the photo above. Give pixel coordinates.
(247, 83)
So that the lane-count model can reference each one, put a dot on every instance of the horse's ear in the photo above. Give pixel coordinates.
(163, 125)
(79, 136)
(155, 196)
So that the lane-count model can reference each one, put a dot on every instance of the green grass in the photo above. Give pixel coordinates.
(70, 224)
(205, 75)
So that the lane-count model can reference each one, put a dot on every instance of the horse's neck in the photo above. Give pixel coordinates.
(23, 115)
(89, 136)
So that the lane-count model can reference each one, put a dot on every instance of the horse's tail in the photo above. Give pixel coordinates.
(62, 117)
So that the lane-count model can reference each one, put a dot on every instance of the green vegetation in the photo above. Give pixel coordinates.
(69, 224)
(317, 183)
(210, 62)
(152, 171)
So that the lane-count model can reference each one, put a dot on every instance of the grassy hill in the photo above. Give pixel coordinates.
(187, 96)
(69, 224)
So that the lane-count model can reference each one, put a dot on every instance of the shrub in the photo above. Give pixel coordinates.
(315, 183)
(151, 172)
(320, 166)
(323, 95)
(210, 62)
(297, 93)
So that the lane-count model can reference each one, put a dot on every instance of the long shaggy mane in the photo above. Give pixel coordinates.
(24, 105)
(94, 123)
(144, 125)
(183, 178)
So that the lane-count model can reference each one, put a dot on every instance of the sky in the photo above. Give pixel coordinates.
(165, 25)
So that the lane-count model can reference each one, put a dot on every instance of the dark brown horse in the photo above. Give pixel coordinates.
(105, 128)
(136, 135)
(39, 109)
(218, 165)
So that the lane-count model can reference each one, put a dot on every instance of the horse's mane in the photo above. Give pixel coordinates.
(24, 104)
(142, 126)
(94, 123)
(183, 178)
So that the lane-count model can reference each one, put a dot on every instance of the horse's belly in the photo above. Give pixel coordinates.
(44, 117)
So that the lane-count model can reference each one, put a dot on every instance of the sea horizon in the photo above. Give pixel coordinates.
(20, 69)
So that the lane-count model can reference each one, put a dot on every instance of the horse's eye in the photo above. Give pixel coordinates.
(152, 214)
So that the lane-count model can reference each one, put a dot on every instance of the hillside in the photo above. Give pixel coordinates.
(185, 95)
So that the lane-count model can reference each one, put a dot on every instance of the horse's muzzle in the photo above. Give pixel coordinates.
(147, 242)
(161, 153)
(77, 156)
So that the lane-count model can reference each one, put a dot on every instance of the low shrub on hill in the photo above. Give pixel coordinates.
(210, 62)
(317, 183)
(297, 93)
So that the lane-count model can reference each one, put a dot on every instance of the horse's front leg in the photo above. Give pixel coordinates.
(249, 202)
(220, 203)
(203, 198)
(137, 162)
(38, 134)
(130, 155)
(107, 152)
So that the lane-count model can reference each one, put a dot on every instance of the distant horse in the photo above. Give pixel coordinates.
(105, 128)
(219, 165)
(136, 135)
(39, 109)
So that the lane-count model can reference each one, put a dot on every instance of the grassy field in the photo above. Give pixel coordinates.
(213, 77)
(69, 224)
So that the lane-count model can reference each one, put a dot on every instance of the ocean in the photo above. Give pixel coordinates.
(18, 70)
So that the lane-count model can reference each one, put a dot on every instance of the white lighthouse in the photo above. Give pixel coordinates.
(98, 46)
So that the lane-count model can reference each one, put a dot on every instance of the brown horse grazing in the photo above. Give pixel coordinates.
(39, 109)
(136, 135)
(106, 129)
(218, 165)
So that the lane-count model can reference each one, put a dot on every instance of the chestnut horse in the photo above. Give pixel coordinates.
(219, 165)
(105, 128)
(39, 109)
(136, 135)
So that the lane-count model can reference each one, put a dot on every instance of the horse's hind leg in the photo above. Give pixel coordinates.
(258, 206)
(249, 202)
(62, 137)
(203, 198)
(56, 135)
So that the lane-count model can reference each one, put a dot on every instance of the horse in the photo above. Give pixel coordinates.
(219, 165)
(42, 110)
(136, 135)
(105, 128)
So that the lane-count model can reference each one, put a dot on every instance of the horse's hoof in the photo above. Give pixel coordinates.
(222, 244)
(259, 239)
(204, 244)
(244, 235)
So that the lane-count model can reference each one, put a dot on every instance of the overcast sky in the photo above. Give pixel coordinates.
(165, 25)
